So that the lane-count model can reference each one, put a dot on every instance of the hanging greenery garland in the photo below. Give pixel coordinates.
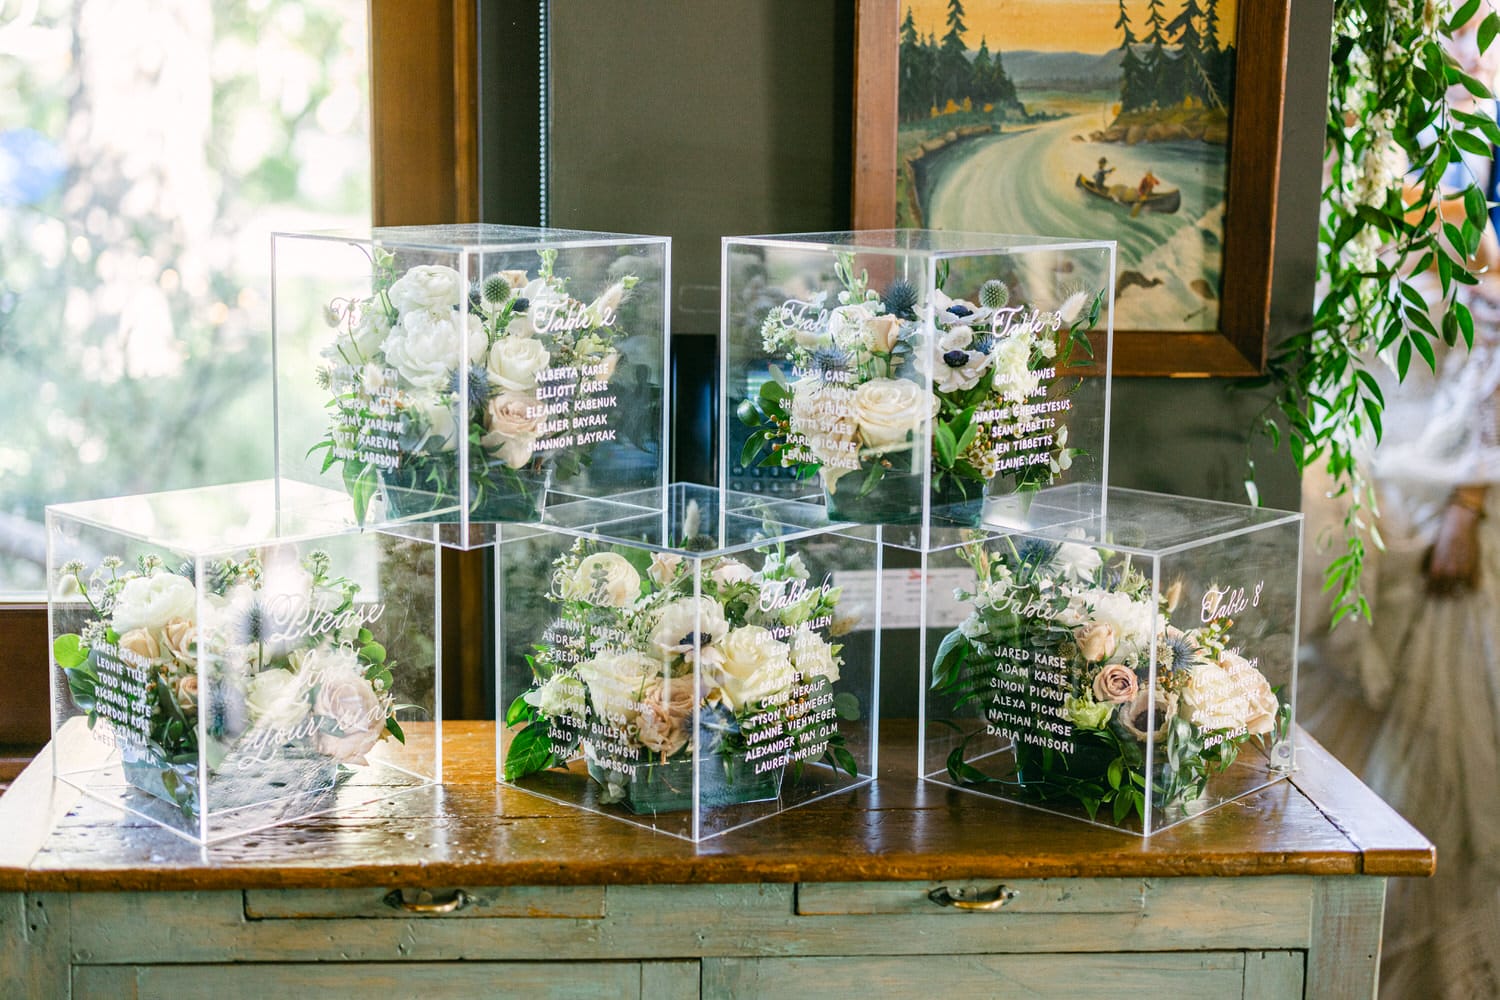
(1392, 137)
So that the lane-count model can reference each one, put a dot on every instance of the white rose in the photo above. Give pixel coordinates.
(1262, 708)
(687, 623)
(731, 571)
(1080, 562)
(442, 426)
(1211, 699)
(560, 695)
(812, 656)
(150, 602)
(888, 410)
(515, 361)
(277, 699)
(427, 286)
(616, 681)
(756, 668)
(829, 435)
(1133, 620)
(430, 345)
(348, 702)
(604, 578)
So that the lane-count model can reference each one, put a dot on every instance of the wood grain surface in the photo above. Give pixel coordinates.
(474, 832)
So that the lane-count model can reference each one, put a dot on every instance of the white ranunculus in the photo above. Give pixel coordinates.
(427, 286)
(515, 361)
(277, 700)
(559, 696)
(150, 602)
(604, 578)
(756, 668)
(812, 656)
(616, 681)
(1133, 620)
(1013, 374)
(888, 411)
(431, 344)
(1211, 699)
(688, 622)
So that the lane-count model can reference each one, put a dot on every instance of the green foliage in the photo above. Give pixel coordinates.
(1391, 137)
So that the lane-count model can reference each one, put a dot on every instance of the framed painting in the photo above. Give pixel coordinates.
(1155, 123)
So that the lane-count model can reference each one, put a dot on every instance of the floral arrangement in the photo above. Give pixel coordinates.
(294, 671)
(615, 676)
(1056, 655)
(1399, 202)
(858, 403)
(531, 361)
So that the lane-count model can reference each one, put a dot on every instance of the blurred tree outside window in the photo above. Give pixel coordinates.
(148, 148)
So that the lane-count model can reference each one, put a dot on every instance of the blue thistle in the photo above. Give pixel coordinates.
(832, 364)
(496, 290)
(1177, 650)
(1035, 552)
(901, 299)
(477, 385)
(984, 343)
(994, 294)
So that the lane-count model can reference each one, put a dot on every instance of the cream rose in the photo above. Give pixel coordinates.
(277, 700)
(616, 681)
(888, 411)
(139, 647)
(885, 333)
(426, 286)
(150, 602)
(1212, 700)
(180, 637)
(512, 421)
(515, 361)
(664, 566)
(186, 690)
(666, 715)
(1116, 683)
(730, 572)
(828, 434)
(1261, 704)
(687, 623)
(349, 702)
(515, 279)
(756, 667)
(431, 344)
(604, 578)
(812, 656)
(1097, 643)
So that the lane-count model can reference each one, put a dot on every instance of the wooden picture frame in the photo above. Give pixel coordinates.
(1238, 347)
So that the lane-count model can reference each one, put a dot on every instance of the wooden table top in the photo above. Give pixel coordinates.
(472, 831)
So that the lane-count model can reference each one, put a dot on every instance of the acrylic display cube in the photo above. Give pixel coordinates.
(915, 378)
(219, 667)
(687, 665)
(1133, 671)
(470, 374)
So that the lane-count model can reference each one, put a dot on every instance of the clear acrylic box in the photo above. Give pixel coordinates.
(219, 667)
(470, 374)
(916, 378)
(687, 665)
(1133, 670)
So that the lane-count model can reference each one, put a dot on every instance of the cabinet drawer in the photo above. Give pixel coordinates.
(576, 901)
(1207, 975)
(429, 980)
(967, 896)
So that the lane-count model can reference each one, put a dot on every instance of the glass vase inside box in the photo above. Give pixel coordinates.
(916, 379)
(219, 666)
(469, 375)
(1133, 671)
(685, 663)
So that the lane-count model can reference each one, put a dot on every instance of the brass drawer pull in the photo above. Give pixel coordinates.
(965, 899)
(423, 902)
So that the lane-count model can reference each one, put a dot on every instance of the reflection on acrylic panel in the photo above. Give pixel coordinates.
(1100, 118)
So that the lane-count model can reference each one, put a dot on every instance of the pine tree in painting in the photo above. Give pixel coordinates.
(1132, 70)
(1161, 68)
(1193, 61)
(916, 92)
(954, 69)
